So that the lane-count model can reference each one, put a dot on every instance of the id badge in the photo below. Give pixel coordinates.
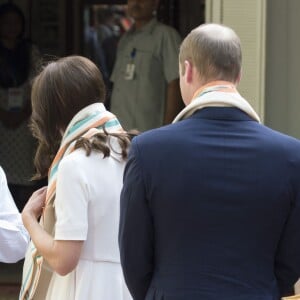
(129, 73)
(15, 98)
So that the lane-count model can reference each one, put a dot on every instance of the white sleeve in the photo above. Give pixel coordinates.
(13, 235)
(71, 202)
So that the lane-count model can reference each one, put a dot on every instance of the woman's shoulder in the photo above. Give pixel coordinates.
(80, 167)
(75, 158)
(79, 158)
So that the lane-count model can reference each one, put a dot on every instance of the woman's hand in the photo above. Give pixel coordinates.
(35, 204)
(62, 255)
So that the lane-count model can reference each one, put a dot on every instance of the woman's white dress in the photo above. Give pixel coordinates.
(87, 209)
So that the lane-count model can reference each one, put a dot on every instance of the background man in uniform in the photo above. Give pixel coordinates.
(146, 90)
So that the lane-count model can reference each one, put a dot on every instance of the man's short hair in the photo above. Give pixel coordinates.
(215, 51)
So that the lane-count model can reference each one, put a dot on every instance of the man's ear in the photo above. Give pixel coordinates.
(189, 76)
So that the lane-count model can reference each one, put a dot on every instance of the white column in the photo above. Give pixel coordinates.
(248, 19)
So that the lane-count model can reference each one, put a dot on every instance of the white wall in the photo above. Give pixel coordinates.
(248, 19)
(283, 66)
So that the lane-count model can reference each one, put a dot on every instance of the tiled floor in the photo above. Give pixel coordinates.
(10, 279)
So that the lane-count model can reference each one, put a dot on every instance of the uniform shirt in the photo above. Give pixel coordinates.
(140, 103)
(13, 236)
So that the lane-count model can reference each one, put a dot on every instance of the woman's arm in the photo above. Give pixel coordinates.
(62, 256)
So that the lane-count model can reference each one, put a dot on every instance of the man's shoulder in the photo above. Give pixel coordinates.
(280, 138)
(164, 26)
(165, 29)
(161, 135)
(177, 132)
(279, 146)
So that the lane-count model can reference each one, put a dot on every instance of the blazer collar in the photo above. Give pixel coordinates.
(221, 113)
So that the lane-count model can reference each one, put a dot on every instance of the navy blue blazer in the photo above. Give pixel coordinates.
(210, 209)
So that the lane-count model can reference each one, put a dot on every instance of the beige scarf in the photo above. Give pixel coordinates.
(217, 94)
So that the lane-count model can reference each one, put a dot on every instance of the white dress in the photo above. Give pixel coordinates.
(87, 208)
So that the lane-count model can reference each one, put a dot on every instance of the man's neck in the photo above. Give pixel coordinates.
(226, 84)
(138, 24)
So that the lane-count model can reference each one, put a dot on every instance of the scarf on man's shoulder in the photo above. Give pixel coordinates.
(86, 123)
(217, 94)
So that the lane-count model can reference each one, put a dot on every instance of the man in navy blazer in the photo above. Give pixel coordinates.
(210, 207)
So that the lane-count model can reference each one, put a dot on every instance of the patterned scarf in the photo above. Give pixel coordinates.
(217, 94)
(88, 122)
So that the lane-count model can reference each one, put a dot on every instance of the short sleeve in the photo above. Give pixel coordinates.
(71, 202)
(170, 48)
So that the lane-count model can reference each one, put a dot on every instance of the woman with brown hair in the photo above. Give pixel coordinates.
(82, 148)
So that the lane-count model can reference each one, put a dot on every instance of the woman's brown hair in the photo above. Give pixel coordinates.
(59, 92)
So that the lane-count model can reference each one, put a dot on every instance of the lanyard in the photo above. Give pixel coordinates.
(133, 54)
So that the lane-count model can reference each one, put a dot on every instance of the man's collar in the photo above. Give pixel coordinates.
(221, 113)
(148, 28)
